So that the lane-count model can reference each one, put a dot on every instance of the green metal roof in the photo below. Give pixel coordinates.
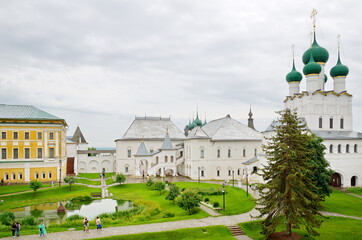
(339, 70)
(312, 67)
(294, 75)
(319, 53)
(24, 112)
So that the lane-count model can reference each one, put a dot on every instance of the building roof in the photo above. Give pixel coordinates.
(251, 160)
(24, 112)
(167, 145)
(78, 136)
(197, 132)
(142, 150)
(152, 128)
(229, 129)
(340, 135)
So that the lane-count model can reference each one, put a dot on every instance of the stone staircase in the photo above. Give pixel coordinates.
(235, 230)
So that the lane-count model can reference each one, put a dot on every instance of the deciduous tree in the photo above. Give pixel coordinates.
(70, 180)
(188, 200)
(35, 185)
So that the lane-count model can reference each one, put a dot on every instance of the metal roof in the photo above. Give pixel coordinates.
(24, 112)
(167, 143)
(197, 132)
(142, 150)
(251, 160)
(78, 136)
(340, 135)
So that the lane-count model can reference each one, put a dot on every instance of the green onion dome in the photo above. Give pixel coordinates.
(319, 53)
(312, 67)
(197, 121)
(192, 125)
(294, 75)
(339, 70)
(325, 78)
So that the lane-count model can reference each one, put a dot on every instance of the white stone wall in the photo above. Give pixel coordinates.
(95, 164)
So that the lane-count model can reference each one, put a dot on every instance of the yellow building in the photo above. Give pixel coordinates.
(32, 144)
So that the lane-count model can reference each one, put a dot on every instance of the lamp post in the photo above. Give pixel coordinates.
(247, 183)
(223, 196)
(198, 174)
(60, 171)
(233, 178)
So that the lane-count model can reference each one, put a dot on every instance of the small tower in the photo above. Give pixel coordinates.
(251, 120)
(339, 74)
(293, 78)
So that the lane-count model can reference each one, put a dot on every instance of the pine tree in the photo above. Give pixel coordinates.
(288, 196)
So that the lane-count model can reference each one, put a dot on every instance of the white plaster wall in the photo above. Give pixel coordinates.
(94, 164)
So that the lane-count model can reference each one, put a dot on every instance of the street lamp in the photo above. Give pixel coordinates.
(198, 168)
(60, 171)
(247, 183)
(233, 178)
(223, 196)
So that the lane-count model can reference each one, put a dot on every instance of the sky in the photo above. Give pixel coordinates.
(98, 64)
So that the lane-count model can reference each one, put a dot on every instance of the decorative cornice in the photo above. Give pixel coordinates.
(326, 93)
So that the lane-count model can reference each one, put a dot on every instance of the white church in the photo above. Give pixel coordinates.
(228, 149)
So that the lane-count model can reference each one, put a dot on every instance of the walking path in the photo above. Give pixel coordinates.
(349, 193)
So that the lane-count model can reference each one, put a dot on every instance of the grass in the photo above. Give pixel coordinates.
(236, 201)
(17, 188)
(355, 190)
(343, 203)
(88, 182)
(94, 175)
(331, 228)
(206, 233)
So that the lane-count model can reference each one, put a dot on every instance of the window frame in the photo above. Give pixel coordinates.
(39, 135)
(17, 153)
(3, 135)
(41, 153)
(26, 150)
(320, 122)
(51, 152)
(4, 153)
(15, 135)
(26, 135)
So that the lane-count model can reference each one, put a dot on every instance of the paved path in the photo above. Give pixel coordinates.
(209, 210)
(339, 215)
(349, 193)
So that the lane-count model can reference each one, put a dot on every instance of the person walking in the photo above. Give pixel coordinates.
(13, 228)
(17, 229)
(42, 229)
(86, 224)
(98, 223)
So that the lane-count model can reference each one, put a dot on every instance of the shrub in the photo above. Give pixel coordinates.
(149, 182)
(7, 218)
(173, 193)
(215, 204)
(74, 217)
(29, 220)
(158, 186)
(189, 200)
(206, 200)
(35, 185)
(82, 199)
(120, 178)
(168, 215)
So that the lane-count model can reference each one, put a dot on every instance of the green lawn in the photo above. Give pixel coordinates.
(17, 188)
(333, 228)
(343, 203)
(89, 182)
(94, 175)
(355, 190)
(236, 201)
(207, 233)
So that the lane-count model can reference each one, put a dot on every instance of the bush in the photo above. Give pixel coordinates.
(189, 200)
(168, 215)
(158, 186)
(206, 200)
(7, 218)
(173, 193)
(149, 182)
(120, 178)
(82, 199)
(35, 185)
(215, 204)
(29, 220)
(74, 217)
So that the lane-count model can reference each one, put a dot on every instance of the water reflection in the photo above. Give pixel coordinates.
(47, 212)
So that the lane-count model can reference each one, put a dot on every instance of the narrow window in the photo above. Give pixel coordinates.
(202, 173)
(218, 173)
(27, 153)
(40, 135)
(13, 177)
(6, 176)
(331, 148)
(166, 158)
(331, 123)
(15, 135)
(26, 135)
(244, 152)
(347, 148)
(151, 150)
(229, 153)
(15, 153)
(218, 153)
(156, 160)
(355, 148)
(255, 152)
(44, 175)
(20, 175)
(320, 122)
(51, 135)
(36, 175)
(40, 152)
(3, 135)
(339, 148)
(3, 153)
(51, 152)
(126, 169)
(255, 169)
(129, 152)
(229, 172)
(342, 123)
(238, 171)
(201, 153)
(50, 174)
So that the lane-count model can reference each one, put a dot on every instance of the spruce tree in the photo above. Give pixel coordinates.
(288, 196)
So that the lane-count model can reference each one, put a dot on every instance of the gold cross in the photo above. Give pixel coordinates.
(313, 16)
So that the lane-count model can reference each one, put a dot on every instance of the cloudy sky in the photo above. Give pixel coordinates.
(98, 64)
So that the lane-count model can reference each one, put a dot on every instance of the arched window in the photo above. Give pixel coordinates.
(347, 148)
(202, 173)
(339, 148)
(151, 150)
(129, 152)
(157, 160)
(229, 172)
(239, 171)
(126, 169)
(36, 175)
(20, 175)
(255, 152)
(49, 174)
(166, 159)
(171, 158)
(229, 153)
(6, 176)
(43, 175)
(218, 153)
(331, 148)
(255, 169)
(218, 173)
(320, 122)
(330, 122)
(341, 123)
(13, 176)
(244, 152)
(202, 153)
(355, 148)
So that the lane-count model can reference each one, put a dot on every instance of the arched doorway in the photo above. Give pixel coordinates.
(336, 180)
(353, 181)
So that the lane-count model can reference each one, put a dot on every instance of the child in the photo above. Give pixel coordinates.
(98, 223)
(42, 229)
(86, 224)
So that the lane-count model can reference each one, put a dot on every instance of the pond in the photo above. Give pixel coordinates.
(47, 212)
